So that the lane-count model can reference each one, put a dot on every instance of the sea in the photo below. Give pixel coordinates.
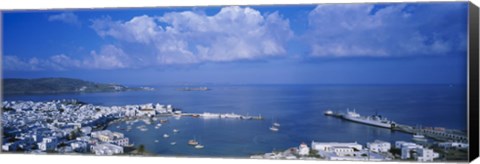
(299, 109)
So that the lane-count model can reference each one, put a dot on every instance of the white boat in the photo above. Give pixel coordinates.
(419, 137)
(176, 130)
(193, 142)
(276, 124)
(173, 143)
(273, 128)
(374, 120)
(199, 146)
(328, 113)
(156, 141)
(165, 136)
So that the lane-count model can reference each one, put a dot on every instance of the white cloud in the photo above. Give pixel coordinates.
(15, 63)
(66, 17)
(235, 33)
(395, 30)
(109, 57)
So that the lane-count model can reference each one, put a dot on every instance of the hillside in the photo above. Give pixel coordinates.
(58, 85)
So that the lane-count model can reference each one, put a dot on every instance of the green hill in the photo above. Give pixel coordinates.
(58, 85)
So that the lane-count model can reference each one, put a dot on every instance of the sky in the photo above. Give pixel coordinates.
(398, 43)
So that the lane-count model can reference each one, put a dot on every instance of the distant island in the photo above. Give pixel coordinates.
(61, 85)
(194, 89)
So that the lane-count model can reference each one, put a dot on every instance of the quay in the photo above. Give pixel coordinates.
(437, 133)
(226, 115)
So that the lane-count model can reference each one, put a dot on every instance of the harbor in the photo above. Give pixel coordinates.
(436, 133)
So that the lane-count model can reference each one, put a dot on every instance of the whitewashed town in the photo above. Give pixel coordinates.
(70, 126)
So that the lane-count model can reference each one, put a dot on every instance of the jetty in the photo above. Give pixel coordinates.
(436, 133)
(222, 116)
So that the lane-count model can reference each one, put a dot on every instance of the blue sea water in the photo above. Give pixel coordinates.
(298, 108)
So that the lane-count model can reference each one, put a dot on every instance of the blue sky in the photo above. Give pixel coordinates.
(420, 43)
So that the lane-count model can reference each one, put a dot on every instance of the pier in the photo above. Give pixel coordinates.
(439, 134)
(224, 116)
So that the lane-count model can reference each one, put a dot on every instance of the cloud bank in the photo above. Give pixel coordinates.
(234, 33)
(392, 30)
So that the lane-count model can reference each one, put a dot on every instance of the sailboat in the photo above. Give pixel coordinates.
(273, 128)
(193, 142)
(199, 146)
(276, 124)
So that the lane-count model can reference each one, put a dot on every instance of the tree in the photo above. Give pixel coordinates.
(141, 149)
(72, 135)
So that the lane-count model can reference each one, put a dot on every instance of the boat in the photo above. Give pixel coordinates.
(199, 146)
(193, 142)
(173, 143)
(165, 136)
(176, 130)
(276, 124)
(328, 113)
(156, 141)
(374, 120)
(163, 121)
(273, 128)
(419, 137)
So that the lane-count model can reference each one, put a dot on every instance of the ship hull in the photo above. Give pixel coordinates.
(368, 122)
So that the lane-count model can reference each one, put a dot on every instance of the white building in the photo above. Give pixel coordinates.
(48, 144)
(426, 155)
(303, 149)
(379, 146)
(79, 146)
(146, 112)
(11, 146)
(107, 149)
(338, 151)
(111, 137)
(420, 153)
(400, 144)
(160, 108)
(329, 146)
(86, 130)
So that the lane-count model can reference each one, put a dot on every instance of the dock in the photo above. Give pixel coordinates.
(225, 116)
(439, 134)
